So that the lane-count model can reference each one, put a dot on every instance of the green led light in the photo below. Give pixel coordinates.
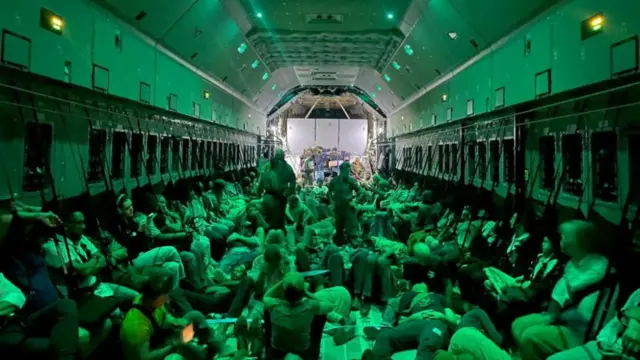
(378, 87)
(387, 78)
(242, 48)
(265, 76)
(396, 65)
(274, 87)
(259, 15)
(390, 16)
(408, 50)
(373, 95)
(255, 64)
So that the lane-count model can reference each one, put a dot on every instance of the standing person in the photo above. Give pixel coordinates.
(277, 181)
(341, 191)
(309, 168)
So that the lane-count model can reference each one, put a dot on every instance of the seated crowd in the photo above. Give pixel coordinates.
(255, 269)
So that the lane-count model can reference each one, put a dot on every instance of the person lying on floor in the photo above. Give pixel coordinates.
(474, 334)
(292, 311)
(414, 330)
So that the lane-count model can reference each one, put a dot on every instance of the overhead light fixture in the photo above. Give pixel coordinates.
(453, 35)
(408, 50)
(51, 21)
(387, 78)
(390, 16)
(274, 87)
(255, 64)
(596, 23)
(242, 48)
(396, 65)
(206, 94)
(592, 26)
(444, 97)
(265, 76)
(378, 87)
(373, 95)
(259, 15)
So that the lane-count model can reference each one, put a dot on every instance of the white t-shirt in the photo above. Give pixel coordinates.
(81, 251)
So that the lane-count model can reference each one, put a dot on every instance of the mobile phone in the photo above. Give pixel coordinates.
(188, 333)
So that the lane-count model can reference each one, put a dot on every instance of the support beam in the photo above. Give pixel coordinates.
(342, 107)
(313, 107)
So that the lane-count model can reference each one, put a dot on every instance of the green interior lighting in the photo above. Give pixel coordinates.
(259, 15)
(265, 76)
(387, 78)
(390, 16)
(396, 65)
(373, 95)
(274, 87)
(408, 50)
(242, 48)
(378, 87)
(255, 64)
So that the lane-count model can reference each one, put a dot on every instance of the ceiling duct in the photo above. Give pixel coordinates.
(323, 19)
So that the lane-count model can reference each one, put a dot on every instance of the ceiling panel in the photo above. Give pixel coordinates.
(435, 53)
(356, 15)
(161, 14)
(284, 80)
(494, 19)
(207, 31)
(371, 82)
(313, 36)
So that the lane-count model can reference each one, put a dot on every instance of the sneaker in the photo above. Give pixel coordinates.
(371, 331)
(344, 335)
(365, 308)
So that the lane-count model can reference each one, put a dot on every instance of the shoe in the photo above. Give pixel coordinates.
(355, 305)
(344, 335)
(371, 332)
(368, 355)
(365, 309)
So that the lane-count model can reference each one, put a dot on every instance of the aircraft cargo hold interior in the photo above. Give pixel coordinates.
(320, 179)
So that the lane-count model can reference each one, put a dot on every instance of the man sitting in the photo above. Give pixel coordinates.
(86, 259)
(149, 331)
